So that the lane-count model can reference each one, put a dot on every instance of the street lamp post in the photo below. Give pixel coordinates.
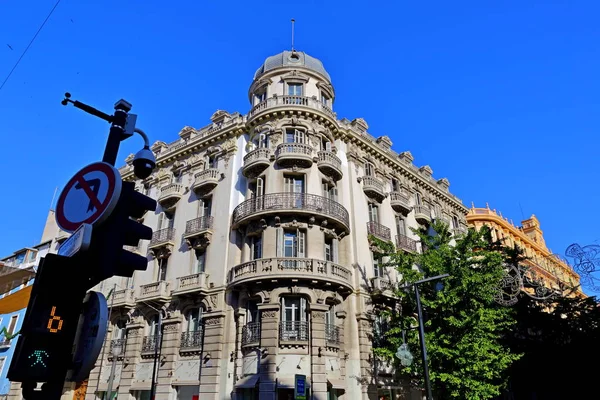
(116, 352)
(422, 328)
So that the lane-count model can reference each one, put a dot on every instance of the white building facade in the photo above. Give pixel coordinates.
(261, 265)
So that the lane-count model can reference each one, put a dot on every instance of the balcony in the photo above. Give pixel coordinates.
(330, 165)
(373, 188)
(383, 287)
(293, 331)
(256, 162)
(278, 105)
(158, 291)
(150, 344)
(251, 334)
(191, 284)
(191, 341)
(380, 231)
(170, 195)
(332, 335)
(291, 269)
(294, 155)
(400, 202)
(405, 243)
(461, 230)
(198, 232)
(205, 181)
(123, 298)
(422, 214)
(308, 205)
(162, 242)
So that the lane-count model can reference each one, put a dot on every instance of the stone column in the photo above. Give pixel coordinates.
(133, 354)
(365, 335)
(269, 342)
(168, 355)
(341, 323)
(318, 372)
(212, 355)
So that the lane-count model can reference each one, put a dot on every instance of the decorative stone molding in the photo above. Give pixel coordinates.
(211, 321)
(162, 252)
(219, 116)
(327, 88)
(318, 315)
(268, 314)
(158, 147)
(171, 326)
(385, 142)
(340, 314)
(360, 124)
(406, 157)
(187, 132)
(444, 183)
(295, 76)
(426, 170)
(213, 300)
(199, 242)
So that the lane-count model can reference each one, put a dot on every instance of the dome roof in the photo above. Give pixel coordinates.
(292, 59)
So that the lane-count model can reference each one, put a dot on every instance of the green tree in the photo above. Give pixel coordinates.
(464, 326)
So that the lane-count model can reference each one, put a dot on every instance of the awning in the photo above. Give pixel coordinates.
(336, 383)
(248, 382)
(289, 382)
(16, 301)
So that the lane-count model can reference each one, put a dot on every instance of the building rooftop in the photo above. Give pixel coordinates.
(292, 59)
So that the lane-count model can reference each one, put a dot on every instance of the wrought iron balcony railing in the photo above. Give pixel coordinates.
(162, 236)
(251, 333)
(192, 339)
(293, 331)
(198, 224)
(405, 243)
(150, 343)
(381, 231)
(332, 334)
(291, 202)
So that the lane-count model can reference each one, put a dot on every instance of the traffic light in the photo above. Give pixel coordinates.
(106, 251)
(44, 346)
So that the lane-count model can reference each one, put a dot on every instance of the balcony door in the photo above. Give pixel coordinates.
(294, 318)
(166, 220)
(294, 187)
(256, 191)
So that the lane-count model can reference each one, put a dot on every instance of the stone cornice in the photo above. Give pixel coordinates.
(392, 159)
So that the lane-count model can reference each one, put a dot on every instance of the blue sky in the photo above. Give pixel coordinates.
(501, 99)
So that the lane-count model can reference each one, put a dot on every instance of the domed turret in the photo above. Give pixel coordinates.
(293, 59)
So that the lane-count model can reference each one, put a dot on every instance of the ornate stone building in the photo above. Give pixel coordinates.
(550, 268)
(260, 266)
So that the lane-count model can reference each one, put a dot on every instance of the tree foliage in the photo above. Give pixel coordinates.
(464, 327)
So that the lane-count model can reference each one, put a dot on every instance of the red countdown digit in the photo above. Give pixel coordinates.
(54, 318)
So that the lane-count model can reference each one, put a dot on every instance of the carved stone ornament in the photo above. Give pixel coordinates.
(275, 138)
(162, 252)
(269, 314)
(230, 145)
(133, 332)
(321, 294)
(213, 321)
(199, 242)
(171, 327)
(214, 301)
(318, 315)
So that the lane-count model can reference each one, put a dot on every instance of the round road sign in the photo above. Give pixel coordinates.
(89, 196)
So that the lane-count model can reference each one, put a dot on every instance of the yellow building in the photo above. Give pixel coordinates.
(530, 238)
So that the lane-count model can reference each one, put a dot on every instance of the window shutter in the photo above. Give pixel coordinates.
(301, 243)
(302, 309)
(335, 194)
(334, 250)
(328, 146)
(279, 234)
(298, 136)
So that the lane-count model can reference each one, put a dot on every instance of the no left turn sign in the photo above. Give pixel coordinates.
(89, 197)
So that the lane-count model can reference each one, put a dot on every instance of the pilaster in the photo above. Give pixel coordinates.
(133, 347)
(269, 317)
(318, 371)
(168, 355)
(212, 355)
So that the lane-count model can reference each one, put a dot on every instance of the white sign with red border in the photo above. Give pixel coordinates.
(89, 197)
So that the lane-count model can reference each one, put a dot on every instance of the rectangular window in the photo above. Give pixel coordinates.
(193, 318)
(12, 324)
(166, 220)
(32, 255)
(252, 314)
(294, 309)
(377, 265)
(256, 244)
(261, 95)
(162, 269)
(200, 262)
(294, 184)
(291, 243)
(326, 145)
(455, 224)
(204, 207)
(418, 198)
(331, 249)
(295, 89)
(324, 99)
(373, 213)
(395, 185)
(330, 191)
(400, 226)
(20, 258)
(330, 316)
(369, 169)
(177, 177)
(294, 136)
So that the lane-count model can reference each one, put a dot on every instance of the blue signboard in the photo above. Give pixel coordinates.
(300, 387)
